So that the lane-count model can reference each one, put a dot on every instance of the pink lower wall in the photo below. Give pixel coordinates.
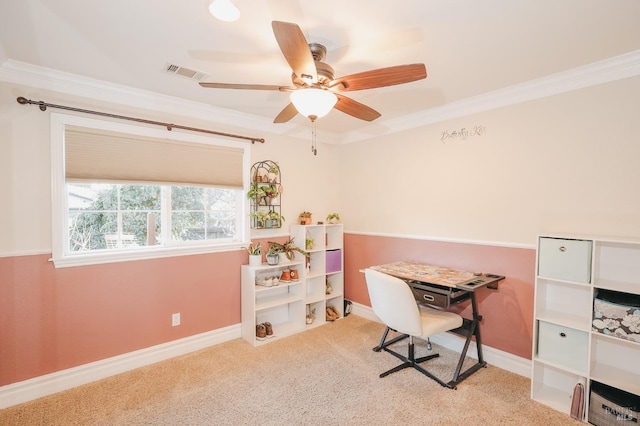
(507, 313)
(53, 319)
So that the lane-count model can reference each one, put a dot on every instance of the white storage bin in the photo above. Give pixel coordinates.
(565, 259)
(563, 346)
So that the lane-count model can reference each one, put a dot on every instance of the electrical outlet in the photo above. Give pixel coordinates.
(175, 319)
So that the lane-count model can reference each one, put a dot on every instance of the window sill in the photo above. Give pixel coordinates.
(139, 254)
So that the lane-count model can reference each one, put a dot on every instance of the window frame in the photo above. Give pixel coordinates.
(61, 257)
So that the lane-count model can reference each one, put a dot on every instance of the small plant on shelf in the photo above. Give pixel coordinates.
(273, 254)
(288, 248)
(333, 218)
(308, 242)
(256, 192)
(260, 217)
(254, 250)
(311, 315)
(274, 248)
(275, 219)
(273, 173)
(255, 254)
(270, 193)
(305, 218)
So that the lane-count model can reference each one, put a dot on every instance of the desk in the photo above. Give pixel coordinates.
(442, 287)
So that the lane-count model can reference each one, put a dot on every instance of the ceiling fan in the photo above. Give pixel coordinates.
(312, 75)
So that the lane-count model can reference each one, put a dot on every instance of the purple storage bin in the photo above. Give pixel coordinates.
(334, 261)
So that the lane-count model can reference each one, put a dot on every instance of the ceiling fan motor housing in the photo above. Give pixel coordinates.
(325, 71)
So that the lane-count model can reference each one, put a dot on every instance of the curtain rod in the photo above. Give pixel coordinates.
(43, 107)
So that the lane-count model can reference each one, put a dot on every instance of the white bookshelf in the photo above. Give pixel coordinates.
(326, 262)
(282, 305)
(566, 348)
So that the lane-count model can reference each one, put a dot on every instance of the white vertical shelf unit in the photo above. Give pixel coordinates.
(282, 305)
(325, 262)
(566, 348)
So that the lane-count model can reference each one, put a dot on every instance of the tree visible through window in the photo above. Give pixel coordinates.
(124, 216)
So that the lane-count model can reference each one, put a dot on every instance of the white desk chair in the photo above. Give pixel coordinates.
(393, 302)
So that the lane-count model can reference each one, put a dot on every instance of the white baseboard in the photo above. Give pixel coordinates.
(38, 387)
(27, 390)
(495, 357)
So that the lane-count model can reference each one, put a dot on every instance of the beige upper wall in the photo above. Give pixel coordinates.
(566, 164)
(309, 181)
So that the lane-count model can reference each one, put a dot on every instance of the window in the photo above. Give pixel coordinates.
(115, 216)
(124, 192)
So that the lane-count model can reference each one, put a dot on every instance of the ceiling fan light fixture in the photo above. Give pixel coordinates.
(313, 103)
(224, 10)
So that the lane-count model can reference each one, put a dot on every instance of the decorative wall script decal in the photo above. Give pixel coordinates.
(463, 133)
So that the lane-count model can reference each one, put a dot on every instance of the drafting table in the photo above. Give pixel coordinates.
(442, 287)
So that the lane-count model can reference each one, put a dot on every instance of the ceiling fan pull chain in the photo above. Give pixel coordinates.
(313, 138)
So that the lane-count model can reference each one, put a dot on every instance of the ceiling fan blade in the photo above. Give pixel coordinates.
(380, 77)
(355, 108)
(286, 114)
(296, 50)
(245, 86)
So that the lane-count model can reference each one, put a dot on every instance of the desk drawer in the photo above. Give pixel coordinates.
(565, 259)
(430, 297)
(437, 296)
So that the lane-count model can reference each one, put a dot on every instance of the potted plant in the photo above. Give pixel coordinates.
(270, 193)
(333, 218)
(305, 218)
(273, 254)
(273, 173)
(255, 254)
(256, 193)
(288, 248)
(311, 314)
(274, 218)
(308, 242)
(260, 217)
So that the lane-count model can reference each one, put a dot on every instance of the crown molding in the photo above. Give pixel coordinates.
(612, 69)
(616, 68)
(73, 84)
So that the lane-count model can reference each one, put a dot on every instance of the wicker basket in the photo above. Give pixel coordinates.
(609, 406)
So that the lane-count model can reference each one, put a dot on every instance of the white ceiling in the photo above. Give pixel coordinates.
(470, 47)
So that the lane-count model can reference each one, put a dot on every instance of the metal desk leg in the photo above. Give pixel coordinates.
(474, 330)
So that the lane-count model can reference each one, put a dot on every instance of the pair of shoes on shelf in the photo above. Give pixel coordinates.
(285, 277)
(268, 281)
(269, 329)
(261, 332)
(332, 313)
(264, 331)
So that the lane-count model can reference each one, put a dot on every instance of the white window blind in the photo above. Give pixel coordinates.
(100, 155)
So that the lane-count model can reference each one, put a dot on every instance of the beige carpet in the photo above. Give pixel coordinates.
(325, 376)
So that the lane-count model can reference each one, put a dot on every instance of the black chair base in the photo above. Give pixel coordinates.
(411, 362)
